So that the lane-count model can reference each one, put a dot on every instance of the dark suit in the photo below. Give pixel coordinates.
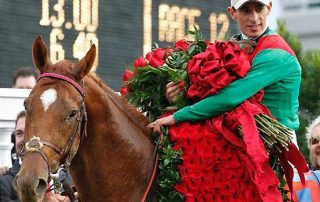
(7, 192)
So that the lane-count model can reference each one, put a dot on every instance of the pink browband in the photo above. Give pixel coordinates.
(64, 78)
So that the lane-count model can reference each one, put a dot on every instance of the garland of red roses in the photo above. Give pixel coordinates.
(209, 72)
(162, 65)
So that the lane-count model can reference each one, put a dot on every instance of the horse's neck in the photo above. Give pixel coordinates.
(116, 157)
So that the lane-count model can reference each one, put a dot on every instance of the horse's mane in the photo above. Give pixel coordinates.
(129, 110)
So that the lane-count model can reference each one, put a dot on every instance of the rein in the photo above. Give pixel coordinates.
(154, 170)
(35, 144)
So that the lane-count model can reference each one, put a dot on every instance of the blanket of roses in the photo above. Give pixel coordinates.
(218, 164)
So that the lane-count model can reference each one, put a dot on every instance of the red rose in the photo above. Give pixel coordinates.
(124, 90)
(127, 75)
(140, 62)
(157, 57)
(182, 44)
(159, 53)
(154, 61)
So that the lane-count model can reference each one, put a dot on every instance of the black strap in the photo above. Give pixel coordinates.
(66, 186)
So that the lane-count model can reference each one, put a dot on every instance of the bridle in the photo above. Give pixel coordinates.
(35, 143)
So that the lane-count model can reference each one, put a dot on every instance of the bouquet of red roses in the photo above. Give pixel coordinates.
(146, 79)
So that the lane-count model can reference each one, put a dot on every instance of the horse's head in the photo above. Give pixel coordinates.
(55, 116)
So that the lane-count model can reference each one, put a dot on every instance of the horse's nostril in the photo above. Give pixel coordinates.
(42, 186)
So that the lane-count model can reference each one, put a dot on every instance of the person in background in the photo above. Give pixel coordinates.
(311, 190)
(313, 138)
(7, 192)
(24, 77)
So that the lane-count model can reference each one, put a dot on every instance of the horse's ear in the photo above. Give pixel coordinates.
(40, 55)
(83, 67)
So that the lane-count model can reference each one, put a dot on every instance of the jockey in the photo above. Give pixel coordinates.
(274, 68)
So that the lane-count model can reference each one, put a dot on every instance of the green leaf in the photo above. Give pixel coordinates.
(166, 162)
(192, 48)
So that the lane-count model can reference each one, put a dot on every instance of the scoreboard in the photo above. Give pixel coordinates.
(122, 30)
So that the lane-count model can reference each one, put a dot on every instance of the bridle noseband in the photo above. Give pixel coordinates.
(35, 143)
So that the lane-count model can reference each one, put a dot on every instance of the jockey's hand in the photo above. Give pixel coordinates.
(165, 121)
(3, 170)
(172, 90)
(50, 197)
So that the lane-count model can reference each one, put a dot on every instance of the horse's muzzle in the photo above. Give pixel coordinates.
(30, 190)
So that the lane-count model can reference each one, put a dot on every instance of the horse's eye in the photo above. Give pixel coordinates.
(73, 113)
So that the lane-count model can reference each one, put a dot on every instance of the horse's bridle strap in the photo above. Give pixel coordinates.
(154, 170)
(69, 142)
(64, 78)
(54, 147)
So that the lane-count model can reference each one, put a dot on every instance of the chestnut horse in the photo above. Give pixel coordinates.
(110, 151)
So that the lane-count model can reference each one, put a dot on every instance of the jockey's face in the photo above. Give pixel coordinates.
(251, 17)
(315, 147)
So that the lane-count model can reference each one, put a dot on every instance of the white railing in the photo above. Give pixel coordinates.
(11, 103)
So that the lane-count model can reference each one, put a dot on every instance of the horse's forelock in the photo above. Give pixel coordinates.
(64, 67)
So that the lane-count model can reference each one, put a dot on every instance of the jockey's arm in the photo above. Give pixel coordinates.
(266, 70)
